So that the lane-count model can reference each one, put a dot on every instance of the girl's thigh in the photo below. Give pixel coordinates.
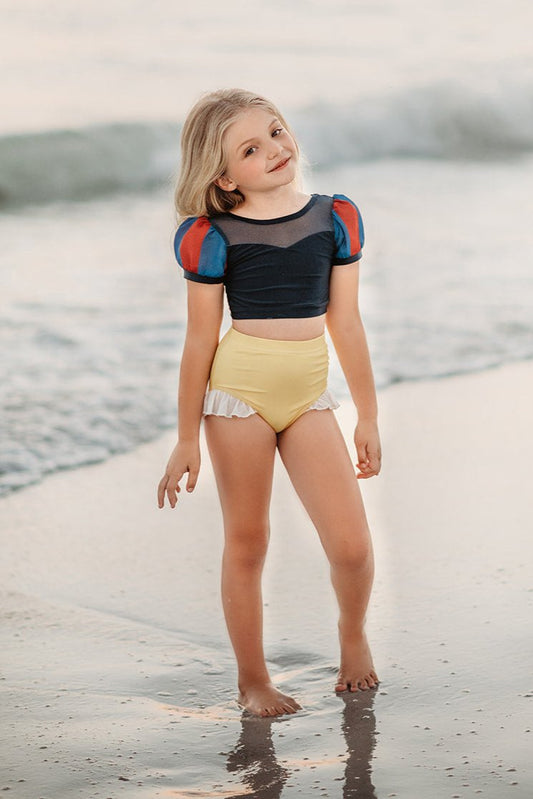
(242, 452)
(316, 457)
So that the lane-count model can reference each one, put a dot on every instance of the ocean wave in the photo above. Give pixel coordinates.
(64, 165)
(442, 121)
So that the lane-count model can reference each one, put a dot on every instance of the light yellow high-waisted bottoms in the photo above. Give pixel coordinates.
(279, 380)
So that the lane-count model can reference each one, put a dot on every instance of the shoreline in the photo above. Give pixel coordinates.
(16, 489)
(118, 678)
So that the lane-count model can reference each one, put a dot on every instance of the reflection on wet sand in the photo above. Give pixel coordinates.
(254, 760)
(359, 729)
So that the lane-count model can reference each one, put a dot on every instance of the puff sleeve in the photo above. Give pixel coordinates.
(348, 228)
(200, 250)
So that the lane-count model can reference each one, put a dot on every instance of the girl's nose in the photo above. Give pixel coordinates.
(275, 149)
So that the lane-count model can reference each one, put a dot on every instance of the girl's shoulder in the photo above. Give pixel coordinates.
(200, 249)
(342, 208)
(348, 229)
(195, 224)
(343, 205)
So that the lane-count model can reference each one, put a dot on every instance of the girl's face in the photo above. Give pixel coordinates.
(261, 155)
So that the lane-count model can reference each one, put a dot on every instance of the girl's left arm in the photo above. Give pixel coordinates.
(348, 335)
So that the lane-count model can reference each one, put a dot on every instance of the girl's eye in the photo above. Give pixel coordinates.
(252, 149)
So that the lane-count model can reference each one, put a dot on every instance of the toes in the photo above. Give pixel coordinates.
(289, 705)
(292, 707)
(284, 704)
(358, 685)
(365, 683)
(270, 712)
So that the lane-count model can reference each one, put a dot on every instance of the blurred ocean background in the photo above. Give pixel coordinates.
(421, 111)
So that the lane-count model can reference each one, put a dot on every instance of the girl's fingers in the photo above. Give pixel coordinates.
(170, 486)
(369, 467)
(362, 455)
(192, 479)
(173, 496)
(375, 461)
(173, 490)
(369, 459)
(161, 490)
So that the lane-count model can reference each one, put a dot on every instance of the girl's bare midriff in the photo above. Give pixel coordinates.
(282, 329)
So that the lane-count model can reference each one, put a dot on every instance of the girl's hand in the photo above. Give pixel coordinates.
(368, 449)
(185, 457)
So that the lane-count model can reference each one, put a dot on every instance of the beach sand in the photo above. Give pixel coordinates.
(117, 676)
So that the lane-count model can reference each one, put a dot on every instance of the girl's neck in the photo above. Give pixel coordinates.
(268, 205)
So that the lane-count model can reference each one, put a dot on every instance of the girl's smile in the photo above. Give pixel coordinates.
(281, 164)
(258, 150)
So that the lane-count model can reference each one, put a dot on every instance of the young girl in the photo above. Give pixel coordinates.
(288, 262)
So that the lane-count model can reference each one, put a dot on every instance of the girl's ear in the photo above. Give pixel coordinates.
(225, 183)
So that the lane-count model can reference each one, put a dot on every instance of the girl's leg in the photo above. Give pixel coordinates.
(318, 462)
(242, 452)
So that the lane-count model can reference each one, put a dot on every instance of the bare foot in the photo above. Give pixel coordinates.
(265, 700)
(356, 672)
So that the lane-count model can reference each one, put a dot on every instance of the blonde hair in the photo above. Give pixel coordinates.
(203, 158)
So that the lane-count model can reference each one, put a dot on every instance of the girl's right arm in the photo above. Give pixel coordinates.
(204, 317)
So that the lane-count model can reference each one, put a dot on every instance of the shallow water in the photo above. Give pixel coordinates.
(93, 305)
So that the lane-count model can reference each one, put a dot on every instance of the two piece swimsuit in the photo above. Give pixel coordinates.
(272, 269)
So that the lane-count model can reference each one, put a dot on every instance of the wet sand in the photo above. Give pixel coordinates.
(118, 679)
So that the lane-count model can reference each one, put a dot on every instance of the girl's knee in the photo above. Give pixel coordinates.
(352, 555)
(246, 544)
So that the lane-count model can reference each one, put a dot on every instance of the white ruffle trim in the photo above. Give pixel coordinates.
(219, 403)
(325, 402)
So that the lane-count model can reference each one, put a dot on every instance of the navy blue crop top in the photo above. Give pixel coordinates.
(273, 268)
